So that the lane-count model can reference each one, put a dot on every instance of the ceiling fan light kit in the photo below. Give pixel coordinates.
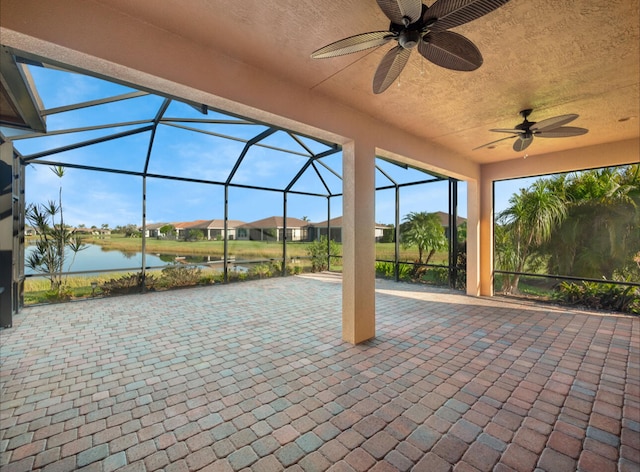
(416, 26)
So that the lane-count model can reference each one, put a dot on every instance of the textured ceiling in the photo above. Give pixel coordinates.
(555, 57)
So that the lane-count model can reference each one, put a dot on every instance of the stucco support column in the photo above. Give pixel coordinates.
(480, 237)
(358, 242)
(473, 238)
(486, 236)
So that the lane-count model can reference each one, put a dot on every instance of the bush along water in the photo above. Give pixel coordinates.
(130, 283)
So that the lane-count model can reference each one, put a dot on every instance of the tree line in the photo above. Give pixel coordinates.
(584, 224)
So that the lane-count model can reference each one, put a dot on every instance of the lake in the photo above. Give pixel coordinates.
(97, 259)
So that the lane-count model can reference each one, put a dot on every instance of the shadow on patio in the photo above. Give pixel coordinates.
(255, 376)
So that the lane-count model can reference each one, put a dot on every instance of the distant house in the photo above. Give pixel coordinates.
(444, 221)
(211, 229)
(272, 229)
(214, 229)
(317, 230)
(182, 228)
(82, 231)
(92, 231)
(153, 230)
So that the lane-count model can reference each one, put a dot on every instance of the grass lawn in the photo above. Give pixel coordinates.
(257, 249)
(244, 249)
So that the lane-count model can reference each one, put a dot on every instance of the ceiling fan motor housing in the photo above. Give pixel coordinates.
(409, 39)
(409, 33)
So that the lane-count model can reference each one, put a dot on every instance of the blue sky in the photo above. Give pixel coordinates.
(97, 198)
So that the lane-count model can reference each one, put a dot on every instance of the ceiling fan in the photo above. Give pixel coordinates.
(416, 25)
(549, 128)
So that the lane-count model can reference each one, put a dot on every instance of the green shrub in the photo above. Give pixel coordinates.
(260, 271)
(207, 279)
(319, 252)
(385, 269)
(179, 276)
(432, 275)
(62, 294)
(233, 276)
(604, 296)
(130, 283)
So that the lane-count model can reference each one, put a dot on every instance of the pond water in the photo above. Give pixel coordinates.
(96, 259)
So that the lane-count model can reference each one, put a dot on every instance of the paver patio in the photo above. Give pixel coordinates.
(255, 376)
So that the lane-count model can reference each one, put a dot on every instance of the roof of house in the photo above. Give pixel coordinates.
(188, 224)
(208, 224)
(219, 224)
(153, 226)
(277, 222)
(444, 218)
(337, 223)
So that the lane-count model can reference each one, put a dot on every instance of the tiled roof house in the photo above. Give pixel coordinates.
(272, 229)
(317, 230)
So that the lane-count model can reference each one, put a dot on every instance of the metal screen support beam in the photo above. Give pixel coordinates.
(284, 234)
(453, 232)
(156, 120)
(144, 233)
(396, 246)
(329, 233)
(225, 238)
(396, 238)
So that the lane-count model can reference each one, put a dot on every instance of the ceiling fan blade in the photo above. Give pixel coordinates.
(450, 50)
(352, 44)
(397, 10)
(522, 143)
(390, 68)
(504, 130)
(493, 142)
(561, 132)
(552, 123)
(447, 14)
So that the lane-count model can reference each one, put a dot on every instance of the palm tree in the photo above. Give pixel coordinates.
(602, 229)
(425, 231)
(529, 222)
(54, 238)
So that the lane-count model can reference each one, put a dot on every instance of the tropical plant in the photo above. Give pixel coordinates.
(601, 232)
(55, 242)
(425, 231)
(462, 232)
(388, 270)
(605, 296)
(526, 224)
(319, 251)
(385, 269)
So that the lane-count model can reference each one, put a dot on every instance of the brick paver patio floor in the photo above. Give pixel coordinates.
(255, 376)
